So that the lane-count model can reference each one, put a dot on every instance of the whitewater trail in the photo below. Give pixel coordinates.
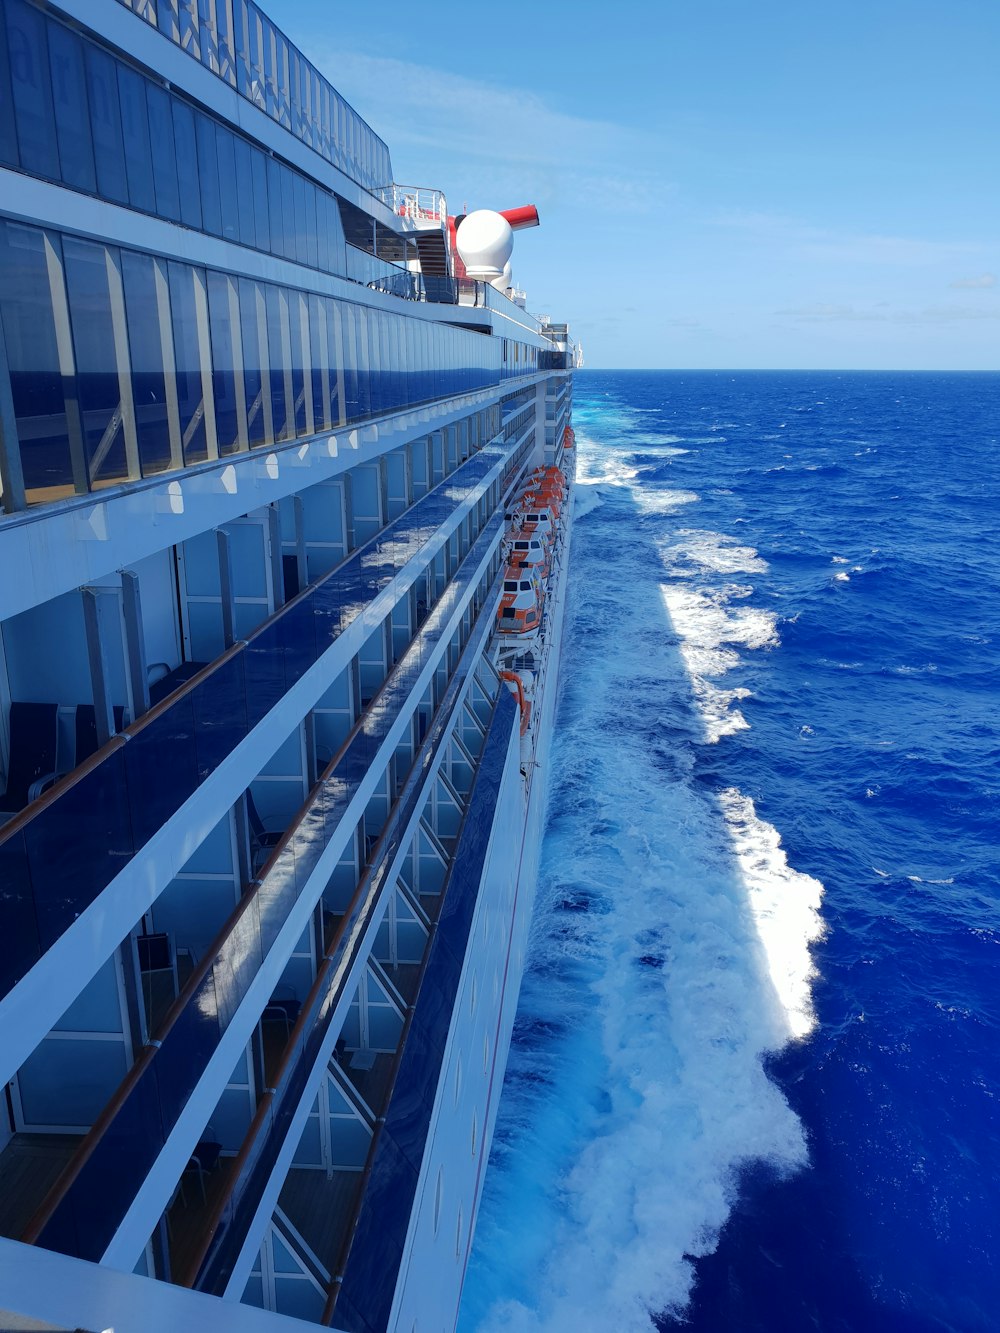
(670, 947)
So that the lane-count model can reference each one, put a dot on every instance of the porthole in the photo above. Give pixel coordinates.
(458, 1079)
(458, 1236)
(473, 993)
(475, 1133)
(486, 1053)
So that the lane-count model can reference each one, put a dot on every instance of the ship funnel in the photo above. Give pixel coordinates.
(485, 243)
(519, 218)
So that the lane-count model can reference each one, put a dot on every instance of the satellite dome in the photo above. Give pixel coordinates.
(505, 280)
(485, 242)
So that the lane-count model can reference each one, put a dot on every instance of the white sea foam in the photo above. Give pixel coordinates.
(711, 630)
(606, 1214)
(585, 499)
(689, 551)
(637, 1091)
(663, 501)
(841, 578)
(839, 560)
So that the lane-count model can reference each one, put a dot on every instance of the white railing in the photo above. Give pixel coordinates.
(415, 203)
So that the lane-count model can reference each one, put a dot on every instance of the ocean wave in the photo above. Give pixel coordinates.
(714, 552)
(670, 947)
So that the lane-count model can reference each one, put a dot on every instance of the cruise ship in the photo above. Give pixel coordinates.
(287, 477)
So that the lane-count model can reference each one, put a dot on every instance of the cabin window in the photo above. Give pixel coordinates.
(509, 585)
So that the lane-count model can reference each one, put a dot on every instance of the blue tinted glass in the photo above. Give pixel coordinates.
(161, 768)
(227, 184)
(190, 396)
(78, 845)
(244, 191)
(262, 224)
(323, 206)
(350, 353)
(69, 95)
(319, 365)
(106, 125)
(161, 129)
(335, 361)
(221, 303)
(364, 370)
(32, 352)
(145, 284)
(29, 76)
(277, 177)
(312, 245)
(288, 212)
(98, 389)
(208, 172)
(299, 187)
(186, 146)
(279, 358)
(135, 133)
(8, 136)
(252, 377)
(296, 310)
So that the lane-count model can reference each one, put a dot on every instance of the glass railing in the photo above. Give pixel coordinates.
(377, 1231)
(383, 276)
(59, 854)
(240, 44)
(83, 1213)
(226, 1229)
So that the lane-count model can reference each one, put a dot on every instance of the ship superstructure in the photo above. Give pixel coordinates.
(269, 769)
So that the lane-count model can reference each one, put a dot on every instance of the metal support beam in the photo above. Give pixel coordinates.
(226, 587)
(135, 644)
(103, 711)
(301, 564)
(11, 472)
(274, 552)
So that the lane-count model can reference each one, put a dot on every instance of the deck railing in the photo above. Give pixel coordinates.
(58, 855)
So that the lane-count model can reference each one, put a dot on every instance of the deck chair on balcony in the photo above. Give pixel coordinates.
(86, 729)
(262, 840)
(33, 740)
(158, 972)
(203, 1160)
(284, 1007)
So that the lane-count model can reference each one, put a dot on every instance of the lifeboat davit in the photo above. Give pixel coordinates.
(524, 703)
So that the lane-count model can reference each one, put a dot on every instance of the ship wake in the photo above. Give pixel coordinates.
(670, 948)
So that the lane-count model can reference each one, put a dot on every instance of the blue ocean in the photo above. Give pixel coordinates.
(756, 1065)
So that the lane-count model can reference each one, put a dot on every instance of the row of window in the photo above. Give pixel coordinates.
(125, 365)
(72, 113)
(241, 45)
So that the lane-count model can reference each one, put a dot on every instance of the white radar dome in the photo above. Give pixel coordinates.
(485, 242)
(505, 280)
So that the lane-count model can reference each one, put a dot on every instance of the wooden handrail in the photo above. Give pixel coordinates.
(88, 1145)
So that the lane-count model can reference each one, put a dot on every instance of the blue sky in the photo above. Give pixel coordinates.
(720, 184)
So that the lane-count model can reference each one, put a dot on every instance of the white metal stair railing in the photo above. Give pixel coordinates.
(418, 205)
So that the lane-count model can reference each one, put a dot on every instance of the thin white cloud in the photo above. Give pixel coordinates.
(821, 313)
(981, 283)
(492, 138)
(806, 241)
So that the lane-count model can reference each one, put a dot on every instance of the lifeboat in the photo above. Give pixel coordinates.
(530, 553)
(569, 438)
(521, 604)
(541, 523)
